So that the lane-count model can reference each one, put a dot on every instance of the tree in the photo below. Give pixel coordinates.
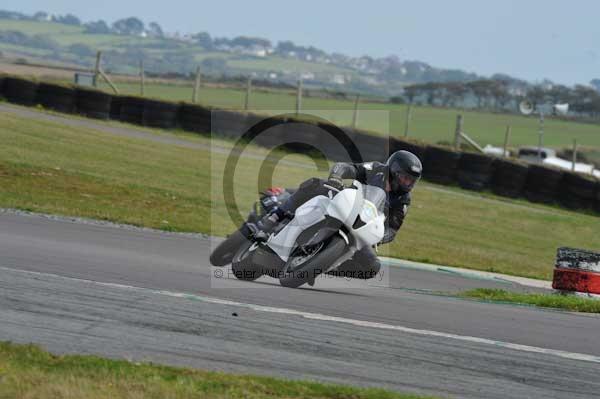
(203, 39)
(128, 26)
(68, 19)
(595, 83)
(98, 27)
(155, 30)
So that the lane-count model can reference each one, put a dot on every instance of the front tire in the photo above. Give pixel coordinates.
(294, 277)
(242, 264)
(224, 252)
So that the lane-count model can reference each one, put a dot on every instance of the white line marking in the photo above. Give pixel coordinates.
(322, 317)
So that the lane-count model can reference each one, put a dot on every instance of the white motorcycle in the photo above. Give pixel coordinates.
(324, 232)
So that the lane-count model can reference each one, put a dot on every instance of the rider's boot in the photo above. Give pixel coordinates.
(265, 226)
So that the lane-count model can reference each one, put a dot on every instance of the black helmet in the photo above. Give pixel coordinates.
(404, 170)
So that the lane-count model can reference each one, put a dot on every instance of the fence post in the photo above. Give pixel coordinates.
(142, 83)
(458, 131)
(248, 91)
(97, 68)
(196, 86)
(506, 138)
(407, 122)
(355, 115)
(299, 97)
(574, 154)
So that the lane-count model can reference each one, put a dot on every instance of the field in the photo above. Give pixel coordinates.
(427, 123)
(54, 168)
(66, 35)
(27, 371)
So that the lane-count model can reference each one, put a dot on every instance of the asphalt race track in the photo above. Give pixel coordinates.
(138, 294)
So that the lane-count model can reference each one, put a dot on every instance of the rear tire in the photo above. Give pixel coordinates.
(223, 254)
(316, 265)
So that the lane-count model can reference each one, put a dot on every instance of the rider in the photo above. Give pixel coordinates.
(397, 177)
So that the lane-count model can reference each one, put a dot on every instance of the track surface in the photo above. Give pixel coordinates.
(54, 291)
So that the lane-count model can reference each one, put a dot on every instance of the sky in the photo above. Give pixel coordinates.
(528, 39)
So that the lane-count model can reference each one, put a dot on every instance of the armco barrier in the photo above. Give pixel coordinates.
(20, 91)
(442, 165)
(475, 171)
(577, 270)
(56, 97)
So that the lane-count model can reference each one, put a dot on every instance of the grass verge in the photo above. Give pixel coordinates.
(82, 171)
(555, 301)
(26, 371)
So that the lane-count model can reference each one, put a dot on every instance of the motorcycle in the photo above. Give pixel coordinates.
(324, 232)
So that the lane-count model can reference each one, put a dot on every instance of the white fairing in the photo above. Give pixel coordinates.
(345, 206)
(311, 212)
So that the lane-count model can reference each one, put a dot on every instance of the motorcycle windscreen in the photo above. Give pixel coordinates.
(375, 195)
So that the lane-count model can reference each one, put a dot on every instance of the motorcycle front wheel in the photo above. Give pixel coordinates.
(306, 265)
(224, 252)
(242, 264)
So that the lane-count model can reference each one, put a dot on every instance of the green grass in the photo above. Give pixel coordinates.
(54, 168)
(27, 371)
(555, 301)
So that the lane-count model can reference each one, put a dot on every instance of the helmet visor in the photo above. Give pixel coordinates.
(404, 181)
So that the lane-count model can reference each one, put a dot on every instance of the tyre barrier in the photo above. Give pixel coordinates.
(161, 114)
(440, 164)
(229, 123)
(577, 271)
(132, 110)
(2, 78)
(194, 118)
(56, 97)
(372, 148)
(597, 200)
(475, 171)
(509, 177)
(542, 184)
(115, 107)
(20, 91)
(399, 144)
(577, 191)
(93, 103)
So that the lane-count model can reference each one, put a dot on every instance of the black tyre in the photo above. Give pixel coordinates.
(440, 164)
(93, 103)
(56, 97)
(242, 264)
(306, 271)
(20, 91)
(160, 114)
(195, 118)
(223, 254)
(132, 110)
